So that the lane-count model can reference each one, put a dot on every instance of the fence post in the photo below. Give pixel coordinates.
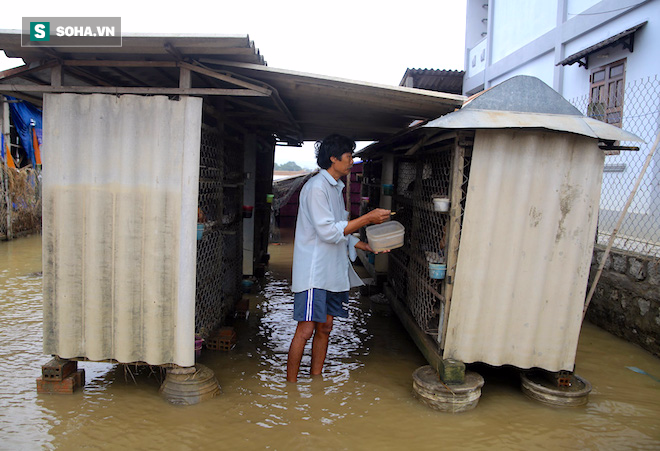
(5, 168)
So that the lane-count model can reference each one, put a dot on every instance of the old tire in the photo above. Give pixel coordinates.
(188, 386)
(429, 389)
(537, 386)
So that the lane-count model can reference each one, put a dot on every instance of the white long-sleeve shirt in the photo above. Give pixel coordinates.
(321, 251)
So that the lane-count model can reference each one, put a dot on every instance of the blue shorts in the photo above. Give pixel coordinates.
(316, 304)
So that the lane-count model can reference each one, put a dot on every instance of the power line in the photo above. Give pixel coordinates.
(605, 12)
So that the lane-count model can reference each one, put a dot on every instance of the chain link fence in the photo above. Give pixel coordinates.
(640, 231)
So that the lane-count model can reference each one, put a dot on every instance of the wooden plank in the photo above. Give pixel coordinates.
(56, 76)
(185, 81)
(225, 78)
(453, 232)
(5, 132)
(25, 70)
(108, 63)
(130, 90)
(427, 346)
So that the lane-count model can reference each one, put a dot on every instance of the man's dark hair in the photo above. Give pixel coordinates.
(332, 146)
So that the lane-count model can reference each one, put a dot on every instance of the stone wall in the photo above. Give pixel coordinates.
(627, 298)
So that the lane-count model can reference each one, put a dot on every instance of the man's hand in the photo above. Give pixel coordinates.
(365, 247)
(378, 216)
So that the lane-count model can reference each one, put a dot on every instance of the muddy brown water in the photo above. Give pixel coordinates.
(362, 401)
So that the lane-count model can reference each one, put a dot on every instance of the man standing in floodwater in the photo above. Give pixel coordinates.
(323, 246)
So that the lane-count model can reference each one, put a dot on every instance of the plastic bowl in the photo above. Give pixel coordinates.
(385, 236)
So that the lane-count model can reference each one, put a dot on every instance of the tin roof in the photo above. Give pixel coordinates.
(527, 102)
(293, 106)
(434, 80)
(521, 102)
(626, 38)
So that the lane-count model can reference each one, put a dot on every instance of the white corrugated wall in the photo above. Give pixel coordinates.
(120, 184)
(525, 249)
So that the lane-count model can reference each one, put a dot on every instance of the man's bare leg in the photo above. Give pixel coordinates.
(303, 333)
(320, 345)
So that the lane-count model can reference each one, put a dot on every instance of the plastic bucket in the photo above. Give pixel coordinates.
(437, 270)
(247, 211)
(269, 198)
(200, 231)
(246, 285)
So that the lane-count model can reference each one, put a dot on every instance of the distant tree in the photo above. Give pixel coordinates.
(288, 166)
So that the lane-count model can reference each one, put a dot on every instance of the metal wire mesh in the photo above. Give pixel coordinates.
(639, 232)
(219, 256)
(417, 183)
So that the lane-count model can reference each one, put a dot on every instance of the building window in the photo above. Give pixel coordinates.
(606, 96)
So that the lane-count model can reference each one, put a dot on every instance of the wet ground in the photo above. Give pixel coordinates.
(363, 400)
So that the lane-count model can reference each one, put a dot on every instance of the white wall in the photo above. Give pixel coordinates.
(574, 7)
(518, 22)
(477, 58)
(537, 67)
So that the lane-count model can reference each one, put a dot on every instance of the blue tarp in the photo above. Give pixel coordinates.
(26, 117)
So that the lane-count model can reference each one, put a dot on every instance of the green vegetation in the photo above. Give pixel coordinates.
(288, 166)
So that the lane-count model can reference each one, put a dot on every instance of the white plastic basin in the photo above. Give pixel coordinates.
(385, 236)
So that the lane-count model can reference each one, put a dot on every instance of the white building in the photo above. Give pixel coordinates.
(602, 56)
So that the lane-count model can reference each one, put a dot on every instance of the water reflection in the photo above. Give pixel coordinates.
(363, 400)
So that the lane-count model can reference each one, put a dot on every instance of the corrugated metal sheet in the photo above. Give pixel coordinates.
(120, 187)
(527, 102)
(482, 119)
(450, 81)
(609, 42)
(525, 249)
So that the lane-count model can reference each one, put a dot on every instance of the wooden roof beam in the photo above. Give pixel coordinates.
(130, 90)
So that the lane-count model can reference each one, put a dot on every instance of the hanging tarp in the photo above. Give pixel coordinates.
(6, 154)
(27, 119)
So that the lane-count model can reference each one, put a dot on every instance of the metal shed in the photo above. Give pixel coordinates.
(522, 169)
(144, 141)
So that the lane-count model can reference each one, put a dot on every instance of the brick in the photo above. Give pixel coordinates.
(223, 340)
(64, 387)
(58, 369)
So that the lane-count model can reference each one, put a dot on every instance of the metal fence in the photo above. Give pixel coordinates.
(640, 230)
(219, 252)
(427, 234)
(20, 190)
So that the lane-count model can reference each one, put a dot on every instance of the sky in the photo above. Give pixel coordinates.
(368, 40)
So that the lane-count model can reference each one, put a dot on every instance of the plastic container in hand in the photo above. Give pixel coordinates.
(385, 236)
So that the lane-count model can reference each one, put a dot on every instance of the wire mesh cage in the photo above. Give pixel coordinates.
(418, 180)
(219, 257)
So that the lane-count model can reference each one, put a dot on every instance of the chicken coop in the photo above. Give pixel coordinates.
(499, 201)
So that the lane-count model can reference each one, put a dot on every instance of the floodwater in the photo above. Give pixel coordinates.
(362, 401)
